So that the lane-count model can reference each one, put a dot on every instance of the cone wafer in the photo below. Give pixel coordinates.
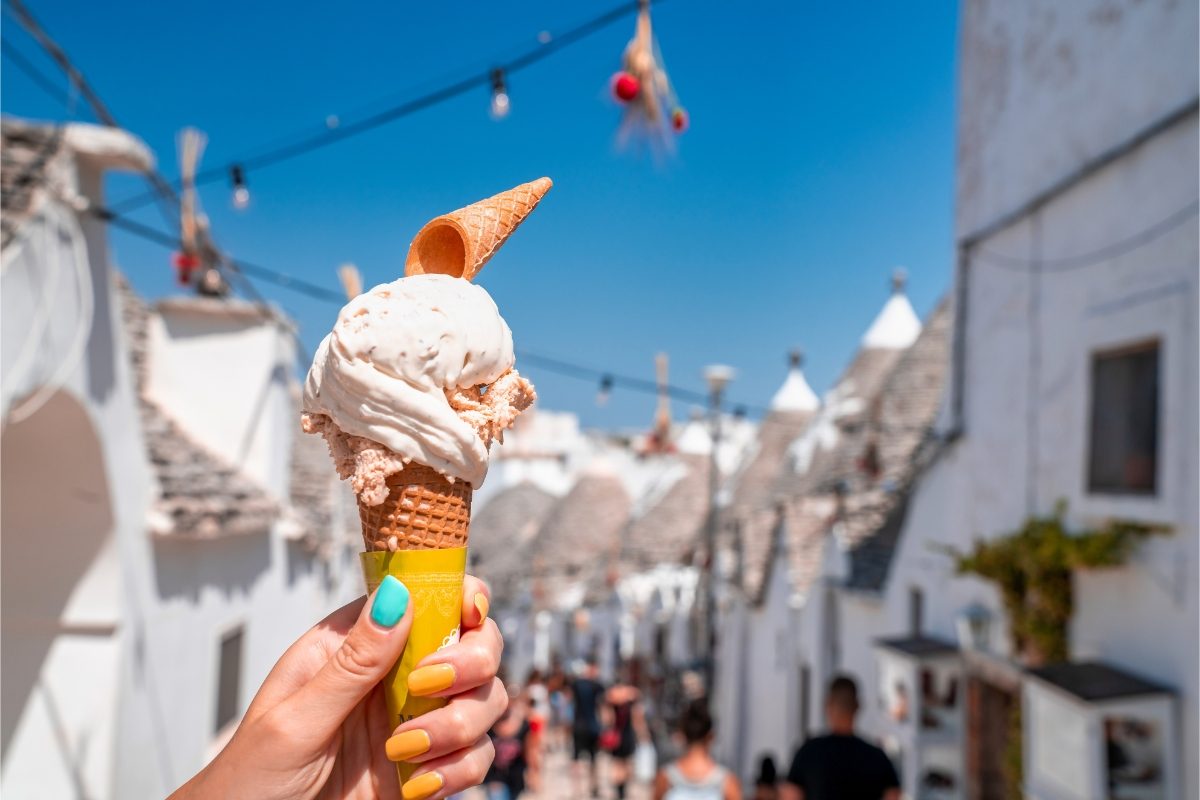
(461, 242)
(423, 511)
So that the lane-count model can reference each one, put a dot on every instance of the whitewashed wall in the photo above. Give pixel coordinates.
(73, 489)
(111, 638)
(772, 675)
(185, 595)
(1046, 86)
(221, 369)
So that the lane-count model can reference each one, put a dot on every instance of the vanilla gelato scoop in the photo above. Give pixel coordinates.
(419, 369)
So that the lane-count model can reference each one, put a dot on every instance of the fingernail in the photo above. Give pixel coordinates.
(422, 786)
(409, 744)
(481, 605)
(390, 603)
(431, 680)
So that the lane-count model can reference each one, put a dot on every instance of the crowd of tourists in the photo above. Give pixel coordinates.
(664, 745)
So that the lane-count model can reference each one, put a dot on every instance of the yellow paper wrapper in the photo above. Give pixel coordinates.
(435, 582)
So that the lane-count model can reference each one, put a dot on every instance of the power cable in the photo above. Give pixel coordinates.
(60, 57)
(39, 78)
(1102, 254)
(235, 265)
(551, 363)
(573, 370)
(435, 97)
(558, 365)
(161, 188)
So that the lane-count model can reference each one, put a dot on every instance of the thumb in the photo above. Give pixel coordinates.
(373, 645)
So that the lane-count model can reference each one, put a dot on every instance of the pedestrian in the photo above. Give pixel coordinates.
(510, 737)
(695, 775)
(765, 785)
(538, 699)
(627, 729)
(560, 709)
(587, 694)
(840, 765)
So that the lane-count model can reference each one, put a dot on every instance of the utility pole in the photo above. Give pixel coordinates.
(718, 378)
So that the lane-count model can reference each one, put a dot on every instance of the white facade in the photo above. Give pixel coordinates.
(1077, 235)
(110, 635)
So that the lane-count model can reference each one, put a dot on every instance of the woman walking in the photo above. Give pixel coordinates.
(695, 775)
(627, 729)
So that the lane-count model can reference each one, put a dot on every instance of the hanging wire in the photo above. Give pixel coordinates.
(1099, 255)
(39, 78)
(342, 130)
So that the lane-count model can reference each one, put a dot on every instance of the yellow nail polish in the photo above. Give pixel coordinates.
(422, 786)
(481, 605)
(431, 680)
(409, 744)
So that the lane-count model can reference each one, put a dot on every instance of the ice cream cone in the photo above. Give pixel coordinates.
(461, 242)
(423, 511)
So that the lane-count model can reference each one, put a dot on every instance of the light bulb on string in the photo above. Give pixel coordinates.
(500, 101)
(241, 192)
(605, 390)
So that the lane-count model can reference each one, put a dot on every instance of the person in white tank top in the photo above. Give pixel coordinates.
(695, 775)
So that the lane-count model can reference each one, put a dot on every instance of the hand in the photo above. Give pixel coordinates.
(318, 727)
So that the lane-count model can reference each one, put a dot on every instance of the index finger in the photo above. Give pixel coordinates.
(477, 601)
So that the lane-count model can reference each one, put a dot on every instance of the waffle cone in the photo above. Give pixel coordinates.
(461, 242)
(423, 511)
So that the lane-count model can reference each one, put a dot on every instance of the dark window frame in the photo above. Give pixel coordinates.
(916, 611)
(1097, 484)
(230, 663)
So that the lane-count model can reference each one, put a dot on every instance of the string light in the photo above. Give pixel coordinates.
(500, 101)
(345, 129)
(605, 391)
(241, 192)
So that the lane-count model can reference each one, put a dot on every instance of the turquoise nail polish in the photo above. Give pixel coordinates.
(391, 601)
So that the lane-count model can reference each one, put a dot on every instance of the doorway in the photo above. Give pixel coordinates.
(989, 714)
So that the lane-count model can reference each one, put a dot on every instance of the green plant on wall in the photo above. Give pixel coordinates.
(1032, 569)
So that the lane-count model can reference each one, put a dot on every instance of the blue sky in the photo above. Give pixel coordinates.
(820, 156)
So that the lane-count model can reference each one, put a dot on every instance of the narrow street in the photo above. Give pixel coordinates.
(559, 784)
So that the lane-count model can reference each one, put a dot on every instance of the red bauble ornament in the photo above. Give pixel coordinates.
(625, 87)
(679, 120)
(185, 264)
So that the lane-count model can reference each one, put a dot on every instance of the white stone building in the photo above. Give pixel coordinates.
(818, 517)
(166, 533)
(1074, 378)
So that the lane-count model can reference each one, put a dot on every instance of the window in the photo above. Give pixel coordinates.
(1123, 448)
(805, 700)
(229, 677)
(916, 611)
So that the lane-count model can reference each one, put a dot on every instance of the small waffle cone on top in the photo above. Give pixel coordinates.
(461, 242)
(423, 511)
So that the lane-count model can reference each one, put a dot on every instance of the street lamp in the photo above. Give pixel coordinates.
(718, 377)
(974, 625)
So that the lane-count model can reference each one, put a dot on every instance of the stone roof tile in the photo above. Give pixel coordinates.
(199, 495)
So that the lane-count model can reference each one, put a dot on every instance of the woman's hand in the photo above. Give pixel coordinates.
(318, 727)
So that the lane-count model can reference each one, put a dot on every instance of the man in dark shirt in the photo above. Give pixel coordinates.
(586, 695)
(839, 765)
